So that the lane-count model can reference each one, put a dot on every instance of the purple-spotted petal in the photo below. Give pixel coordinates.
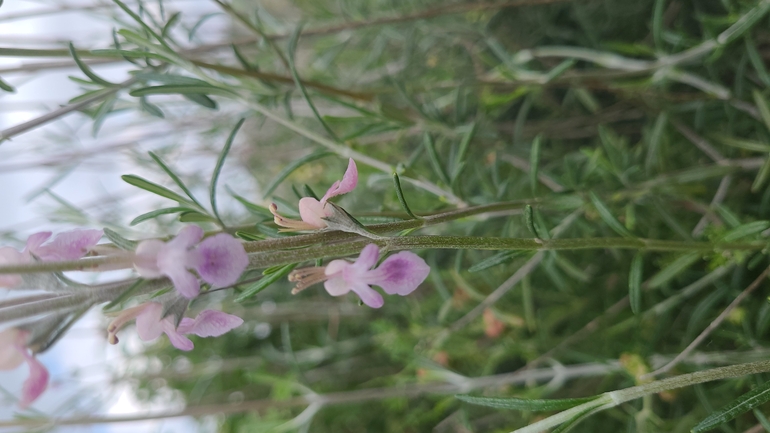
(220, 259)
(10, 256)
(367, 258)
(312, 212)
(347, 184)
(186, 238)
(10, 355)
(148, 322)
(400, 274)
(70, 245)
(36, 383)
(210, 323)
(368, 295)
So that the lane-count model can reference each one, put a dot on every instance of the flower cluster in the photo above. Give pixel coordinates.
(218, 260)
(399, 274)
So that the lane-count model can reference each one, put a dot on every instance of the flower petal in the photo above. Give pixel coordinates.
(184, 282)
(146, 258)
(368, 295)
(176, 338)
(210, 323)
(36, 383)
(400, 274)
(367, 258)
(347, 184)
(10, 355)
(187, 237)
(148, 322)
(70, 245)
(220, 259)
(34, 241)
(10, 256)
(312, 212)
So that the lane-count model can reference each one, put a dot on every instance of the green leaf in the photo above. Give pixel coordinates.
(529, 220)
(6, 87)
(170, 24)
(181, 89)
(744, 403)
(530, 405)
(746, 230)
(427, 141)
(152, 109)
(762, 176)
(293, 40)
(87, 70)
(534, 160)
(251, 207)
(202, 100)
(462, 150)
(743, 144)
(177, 180)
(156, 213)
(497, 259)
(105, 108)
(673, 269)
(764, 110)
(635, 283)
(249, 237)
(607, 217)
(144, 25)
(401, 197)
(265, 282)
(756, 61)
(155, 189)
(655, 139)
(120, 241)
(125, 295)
(218, 169)
(196, 217)
(289, 169)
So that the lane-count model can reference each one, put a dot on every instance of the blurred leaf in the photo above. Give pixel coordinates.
(746, 230)
(155, 189)
(401, 198)
(87, 70)
(530, 405)
(177, 180)
(607, 216)
(218, 169)
(438, 167)
(156, 213)
(263, 283)
(152, 109)
(497, 259)
(754, 398)
(534, 161)
(120, 241)
(289, 169)
(635, 283)
(673, 269)
(6, 87)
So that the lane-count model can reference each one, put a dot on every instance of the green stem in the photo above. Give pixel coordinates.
(615, 398)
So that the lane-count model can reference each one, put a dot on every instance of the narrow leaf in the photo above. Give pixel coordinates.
(401, 198)
(673, 269)
(152, 109)
(289, 169)
(218, 169)
(181, 89)
(746, 230)
(430, 146)
(764, 110)
(174, 177)
(125, 295)
(105, 108)
(120, 241)
(744, 403)
(635, 283)
(462, 150)
(202, 100)
(155, 188)
(762, 175)
(530, 405)
(607, 217)
(87, 70)
(157, 213)
(263, 283)
(497, 259)
(534, 160)
(6, 87)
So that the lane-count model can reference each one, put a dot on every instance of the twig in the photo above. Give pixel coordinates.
(63, 111)
(712, 326)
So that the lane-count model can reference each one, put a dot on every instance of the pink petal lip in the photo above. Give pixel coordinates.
(344, 186)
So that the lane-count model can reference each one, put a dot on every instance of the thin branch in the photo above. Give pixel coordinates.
(712, 326)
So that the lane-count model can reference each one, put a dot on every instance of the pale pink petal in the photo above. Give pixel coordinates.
(10, 355)
(210, 323)
(367, 258)
(176, 338)
(36, 383)
(10, 256)
(400, 274)
(336, 284)
(184, 282)
(220, 259)
(368, 295)
(146, 258)
(149, 325)
(347, 184)
(312, 212)
(70, 245)
(187, 237)
(35, 240)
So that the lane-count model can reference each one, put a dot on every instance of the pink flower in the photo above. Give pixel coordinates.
(70, 245)
(399, 274)
(218, 260)
(14, 351)
(150, 325)
(313, 211)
